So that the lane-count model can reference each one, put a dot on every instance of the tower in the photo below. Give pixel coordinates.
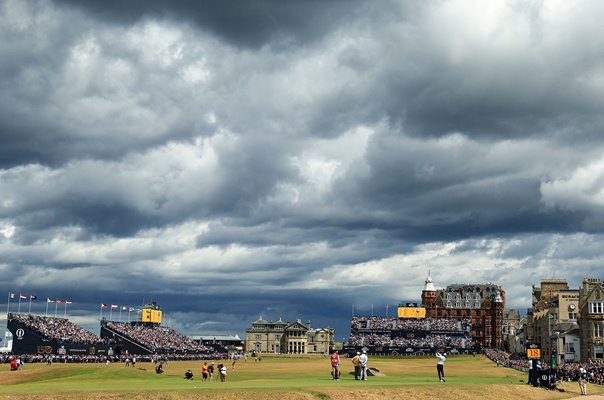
(429, 293)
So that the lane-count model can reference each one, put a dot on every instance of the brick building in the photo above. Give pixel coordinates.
(482, 304)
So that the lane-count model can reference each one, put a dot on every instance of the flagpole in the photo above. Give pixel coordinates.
(56, 305)
(129, 308)
(29, 311)
(65, 312)
(7, 311)
(111, 313)
(101, 316)
(120, 314)
(46, 315)
(19, 305)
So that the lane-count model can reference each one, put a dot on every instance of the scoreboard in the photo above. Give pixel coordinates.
(533, 353)
(151, 313)
(411, 310)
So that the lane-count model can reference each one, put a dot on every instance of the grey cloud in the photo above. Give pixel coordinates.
(250, 24)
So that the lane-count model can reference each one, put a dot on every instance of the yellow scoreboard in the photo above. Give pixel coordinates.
(411, 312)
(152, 315)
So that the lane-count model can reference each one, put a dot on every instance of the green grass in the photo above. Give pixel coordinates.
(306, 376)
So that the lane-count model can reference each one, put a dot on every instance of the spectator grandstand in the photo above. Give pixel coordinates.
(388, 324)
(51, 328)
(157, 338)
(394, 335)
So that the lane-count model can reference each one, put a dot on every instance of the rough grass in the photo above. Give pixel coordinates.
(278, 378)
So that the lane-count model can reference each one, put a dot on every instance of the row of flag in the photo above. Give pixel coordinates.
(33, 297)
(115, 307)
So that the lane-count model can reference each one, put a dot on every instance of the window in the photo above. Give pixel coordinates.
(598, 351)
(598, 330)
(449, 305)
(468, 296)
(458, 296)
(596, 307)
(572, 315)
(477, 296)
(458, 304)
(477, 304)
(448, 296)
(468, 304)
(257, 337)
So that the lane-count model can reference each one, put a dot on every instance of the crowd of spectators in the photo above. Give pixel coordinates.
(429, 341)
(387, 324)
(51, 328)
(567, 371)
(506, 359)
(594, 370)
(92, 359)
(157, 338)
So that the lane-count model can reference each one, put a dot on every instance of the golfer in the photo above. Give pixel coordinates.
(363, 362)
(335, 366)
(440, 365)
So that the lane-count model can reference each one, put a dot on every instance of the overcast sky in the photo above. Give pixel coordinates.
(289, 159)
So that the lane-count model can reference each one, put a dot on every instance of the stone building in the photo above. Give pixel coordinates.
(591, 319)
(288, 338)
(482, 304)
(513, 331)
(540, 301)
(555, 326)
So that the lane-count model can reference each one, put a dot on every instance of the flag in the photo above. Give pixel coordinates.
(13, 296)
(104, 305)
(23, 296)
(68, 301)
(49, 300)
(59, 301)
(32, 297)
(124, 308)
(114, 307)
(131, 309)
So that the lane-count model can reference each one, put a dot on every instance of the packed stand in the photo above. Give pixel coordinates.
(387, 324)
(51, 328)
(429, 341)
(157, 338)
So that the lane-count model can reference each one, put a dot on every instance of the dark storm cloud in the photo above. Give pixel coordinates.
(249, 23)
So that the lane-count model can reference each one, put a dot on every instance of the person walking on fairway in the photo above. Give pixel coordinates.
(440, 365)
(335, 366)
(363, 363)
